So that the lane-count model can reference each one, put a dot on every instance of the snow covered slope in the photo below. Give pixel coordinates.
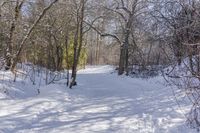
(102, 102)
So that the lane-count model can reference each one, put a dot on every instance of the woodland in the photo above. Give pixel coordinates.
(142, 39)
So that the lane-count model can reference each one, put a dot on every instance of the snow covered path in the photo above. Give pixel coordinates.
(102, 103)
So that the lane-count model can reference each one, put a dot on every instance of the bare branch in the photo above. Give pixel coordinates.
(103, 34)
(29, 32)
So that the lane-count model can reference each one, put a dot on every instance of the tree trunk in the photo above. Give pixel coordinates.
(9, 51)
(67, 58)
(78, 42)
(124, 54)
(121, 60)
(127, 51)
(74, 66)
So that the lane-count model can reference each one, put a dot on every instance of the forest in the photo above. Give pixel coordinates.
(129, 52)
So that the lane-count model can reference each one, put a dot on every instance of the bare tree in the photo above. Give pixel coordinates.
(78, 40)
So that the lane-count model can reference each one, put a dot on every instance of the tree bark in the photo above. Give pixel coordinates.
(10, 45)
(67, 57)
(78, 44)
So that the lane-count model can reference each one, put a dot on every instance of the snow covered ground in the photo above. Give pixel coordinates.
(102, 102)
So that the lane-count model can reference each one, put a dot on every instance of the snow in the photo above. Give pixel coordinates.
(102, 102)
